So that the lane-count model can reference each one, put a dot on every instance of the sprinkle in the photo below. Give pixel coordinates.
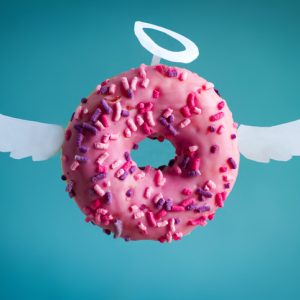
(223, 169)
(195, 164)
(183, 76)
(134, 83)
(99, 190)
(219, 200)
(105, 138)
(135, 147)
(168, 205)
(149, 118)
(112, 89)
(139, 175)
(118, 228)
(159, 178)
(220, 129)
(126, 155)
(202, 209)
(79, 139)
(70, 186)
(139, 119)
(117, 111)
(201, 221)
(214, 148)
(81, 159)
(163, 121)
(68, 134)
(106, 108)
(211, 129)
(233, 136)
(184, 123)
(192, 173)
(160, 203)
(100, 146)
(139, 214)
(77, 114)
(127, 133)
(146, 129)
(221, 105)
(172, 129)
(227, 185)
(120, 172)
(208, 86)
(107, 198)
(129, 93)
(162, 223)
(133, 208)
(167, 112)
(193, 148)
(177, 208)
(142, 71)
(130, 123)
(172, 224)
(123, 176)
(204, 193)
(104, 90)
(150, 218)
(89, 128)
(155, 94)
(115, 164)
(171, 72)
(148, 192)
(145, 83)
(95, 115)
(186, 192)
(102, 158)
(99, 125)
(216, 117)
(129, 193)
(231, 163)
(142, 227)
(114, 136)
(63, 177)
(210, 185)
(125, 83)
(196, 110)
(185, 111)
(124, 113)
(132, 169)
(74, 166)
(98, 177)
(187, 202)
(161, 214)
(184, 162)
(84, 100)
(191, 100)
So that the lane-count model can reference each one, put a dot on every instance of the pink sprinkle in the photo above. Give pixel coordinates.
(167, 113)
(201, 221)
(127, 132)
(235, 125)
(139, 175)
(148, 192)
(184, 123)
(195, 165)
(115, 164)
(134, 208)
(139, 119)
(221, 105)
(104, 120)
(106, 81)
(159, 179)
(223, 169)
(216, 117)
(211, 217)
(142, 71)
(145, 83)
(155, 94)
(74, 165)
(101, 168)
(142, 227)
(219, 200)
(134, 83)
(99, 125)
(78, 113)
(220, 129)
(98, 88)
(159, 68)
(196, 110)
(187, 202)
(185, 111)
(193, 148)
(99, 190)
(117, 111)
(183, 76)
(126, 166)
(207, 86)
(100, 146)
(114, 136)
(146, 129)
(149, 118)
(177, 208)
(68, 134)
(130, 123)
(96, 204)
(125, 83)
(177, 236)
(191, 100)
(105, 138)
(186, 192)
(112, 89)
(177, 170)
(150, 218)
(227, 178)
(162, 223)
(102, 158)
(161, 214)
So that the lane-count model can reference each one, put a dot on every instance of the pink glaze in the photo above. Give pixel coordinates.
(158, 102)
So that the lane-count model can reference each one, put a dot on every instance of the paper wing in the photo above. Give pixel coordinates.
(27, 138)
(261, 144)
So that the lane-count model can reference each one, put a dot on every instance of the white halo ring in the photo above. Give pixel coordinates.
(190, 53)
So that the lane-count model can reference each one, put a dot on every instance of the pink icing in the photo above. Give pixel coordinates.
(157, 102)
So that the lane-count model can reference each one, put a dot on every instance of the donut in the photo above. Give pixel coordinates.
(146, 203)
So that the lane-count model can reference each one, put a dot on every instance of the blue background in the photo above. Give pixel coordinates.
(52, 53)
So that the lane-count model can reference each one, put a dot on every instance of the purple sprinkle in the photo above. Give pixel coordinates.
(70, 186)
(92, 129)
(81, 158)
(192, 173)
(83, 149)
(84, 100)
(124, 113)
(135, 146)
(96, 115)
(172, 73)
(227, 185)
(78, 127)
(129, 93)
(184, 162)
(123, 176)
(98, 177)
(177, 221)
(204, 193)
(127, 155)
(129, 193)
(214, 148)
(172, 129)
(72, 117)
(191, 207)
(201, 209)
(104, 90)
(107, 109)
(118, 228)
(232, 164)
(163, 121)
(211, 129)
(233, 136)
(168, 205)
(160, 203)
(79, 139)
(107, 198)
(132, 169)
(171, 119)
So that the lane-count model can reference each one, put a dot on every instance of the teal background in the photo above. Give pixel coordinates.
(52, 53)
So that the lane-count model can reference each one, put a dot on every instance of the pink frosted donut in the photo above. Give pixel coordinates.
(151, 204)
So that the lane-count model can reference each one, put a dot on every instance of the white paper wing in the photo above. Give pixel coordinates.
(28, 138)
(262, 144)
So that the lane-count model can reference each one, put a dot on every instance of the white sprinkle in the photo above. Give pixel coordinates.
(142, 227)
(139, 119)
(172, 225)
(157, 197)
(112, 89)
(209, 85)
(98, 88)
(99, 190)
(169, 236)
(142, 71)
(118, 110)
(134, 83)
(78, 112)
(127, 132)
(125, 83)
(183, 76)
(74, 165)
(99, 125)
(115, 164)
(149, 118)
(168, 112)
(162, 223)
(148, 192)
(138, 215)
(105, 138)
(139, 175)
(100, 146)
(130, 123)
(85, 111)
(119, 173)
(102, 158)
(102, 211)
(193, 148)
(145, 83)
(134, 208)
(184, 123)
(196, 110)
(114, 136)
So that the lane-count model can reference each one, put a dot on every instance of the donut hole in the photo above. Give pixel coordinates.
(152, 152)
